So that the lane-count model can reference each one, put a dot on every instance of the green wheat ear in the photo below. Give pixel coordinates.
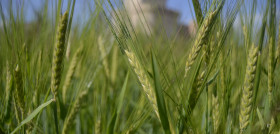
(103, 52)
(201, 38)
(8, 91)
(57, 65)
(216, 113)
(70, 73)
(71, 116)
(247, 94)
(19, 96)
(143, 79)
(198, 12)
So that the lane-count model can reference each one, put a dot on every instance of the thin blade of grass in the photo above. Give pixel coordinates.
(121, 97)
(32, 115)
(159, 96)
(112, 124)
(260, 118)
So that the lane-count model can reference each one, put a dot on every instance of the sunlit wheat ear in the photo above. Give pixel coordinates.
(271, 126)
(97, 127)
(57, 63)
(143, 78)
(70, 73)
(19, 94)
(201, 39)
(215, 113)
(74, 110)
(247, 94)
(68, 50)
(246, 37)
(103, 55)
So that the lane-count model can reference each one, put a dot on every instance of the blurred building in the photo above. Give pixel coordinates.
(152, 15)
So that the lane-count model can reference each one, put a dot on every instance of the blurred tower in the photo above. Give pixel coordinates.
(150, 15)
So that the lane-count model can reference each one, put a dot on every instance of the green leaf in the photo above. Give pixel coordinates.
(159, 96)
(32, 115)
(112, 124)
(120, 100)
(260, 118)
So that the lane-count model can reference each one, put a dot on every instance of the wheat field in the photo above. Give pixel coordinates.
(105, 76)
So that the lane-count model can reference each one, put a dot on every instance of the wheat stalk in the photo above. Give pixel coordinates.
(198, 12)
(271, 126)
(97, 127)
(278, 46)
(19, 90)
(270, 69)
(8, 91)
(201, 38)
(17, 114)
(194, 92)
(222, 75)
(246, 37)
(143, 78)
(68, 51)
(71, 116)
(247, 94)
(57, 65)
(215, 113)
(103, 55)
(70, 73)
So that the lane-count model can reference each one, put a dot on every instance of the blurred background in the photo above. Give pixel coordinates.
(176, 15)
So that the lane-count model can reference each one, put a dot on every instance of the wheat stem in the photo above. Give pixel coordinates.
(57, 65)
(201, 39)
(70, 73)
(143, 78)
(71, 116)
(215, 113)
(103, 55)
(270, 69)
(19, 90)
(197, 10)
(247, 94)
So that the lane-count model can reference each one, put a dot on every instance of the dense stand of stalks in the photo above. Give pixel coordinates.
(214, 80)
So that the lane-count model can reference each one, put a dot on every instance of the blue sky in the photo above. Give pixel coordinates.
(183, 7)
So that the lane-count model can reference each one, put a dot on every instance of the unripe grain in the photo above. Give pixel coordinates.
(70, 73)
(247, 94)
(143, 78)
(75, 109)
(57, 65)
(19, 90)
(201, 39)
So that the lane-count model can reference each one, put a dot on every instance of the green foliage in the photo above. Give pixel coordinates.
(110, 76)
